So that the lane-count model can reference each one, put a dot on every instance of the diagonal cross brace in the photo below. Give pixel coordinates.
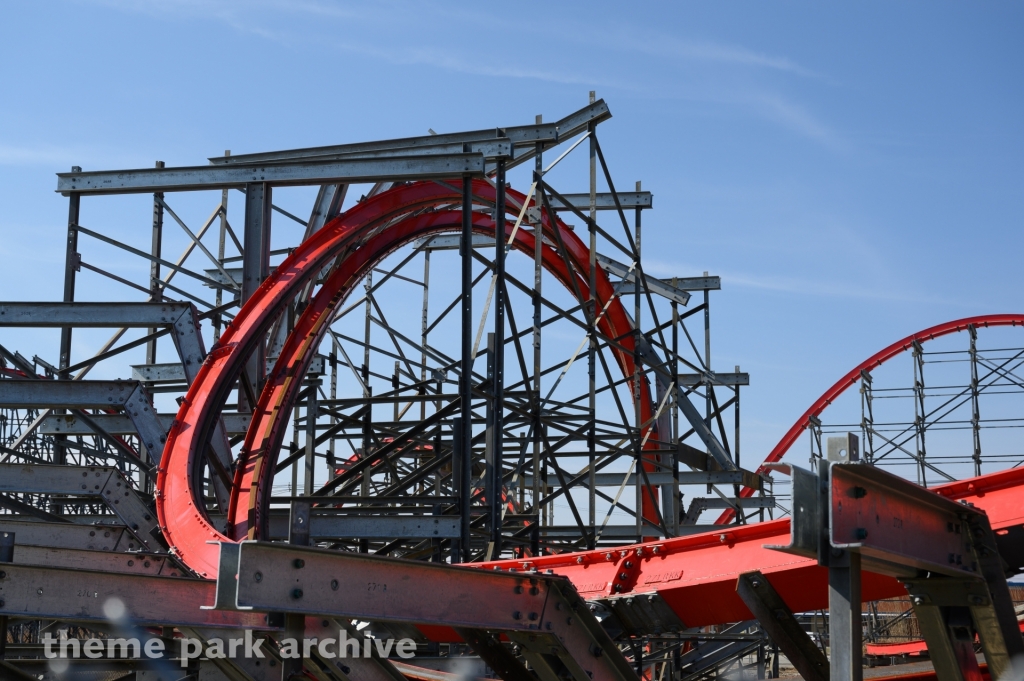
(104, 482)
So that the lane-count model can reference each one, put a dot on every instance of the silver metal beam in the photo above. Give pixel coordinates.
(523, 134)
(377, 527)
(145, 180)
(134, 563)
(605, 201)
(542, 613)
(729, 379)
(658, 286)
(95, 537)
(695, 283)
(106, 483)
(127, 395)
(491, 147)
(738, 477)
(81, 596)
(90, 315)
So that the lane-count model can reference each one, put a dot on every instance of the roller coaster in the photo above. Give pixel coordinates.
(465, 414)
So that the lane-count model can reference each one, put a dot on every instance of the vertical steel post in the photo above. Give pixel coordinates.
(867, 415)
(295, 623)
(219, 299)
(844, 606)
(155, 293)
(591, 310)
(466, 377)
(309, 467)
(707, 366)
(459, 484)
(676, 499)
(6, 556)
(424, 326)
(492, 477)
(637, 338)
(736, 422)
(538, 269)
(331, 459)
(71, 266)
(498, 354)
(975, 408)
(367, 434)
(364, 483)
(255, 268)
(920, 423)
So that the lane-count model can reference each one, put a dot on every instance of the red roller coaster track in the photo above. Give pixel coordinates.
(695, 575)
(854, 375)
(363, 236)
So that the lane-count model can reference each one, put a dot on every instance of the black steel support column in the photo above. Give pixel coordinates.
(6, 556)
(491, 484)
(155, 293)
(71, 260)
(538, 246)
(295, 623)
(642, 491)
(497, 385)
(256, 265)
(71, 267)
(591, 307)
(466, 373)
(673, 523)
(458, 485)
(844, 617)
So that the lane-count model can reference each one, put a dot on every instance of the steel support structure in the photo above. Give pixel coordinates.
(569, 406)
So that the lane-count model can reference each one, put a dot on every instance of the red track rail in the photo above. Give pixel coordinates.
(363, 236)
(696, 575)
(854, 375)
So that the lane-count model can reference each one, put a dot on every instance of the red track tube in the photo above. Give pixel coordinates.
(362, 236)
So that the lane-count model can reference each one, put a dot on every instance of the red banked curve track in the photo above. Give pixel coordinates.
(358, 239)
(695, 575)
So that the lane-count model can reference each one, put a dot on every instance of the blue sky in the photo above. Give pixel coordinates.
(854, 173)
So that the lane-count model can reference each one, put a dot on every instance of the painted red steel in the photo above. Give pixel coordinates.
(695, 575)
(361, 237)
(854, 375)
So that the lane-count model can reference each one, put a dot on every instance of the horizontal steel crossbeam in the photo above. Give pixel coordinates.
(84, 596)
(107, 484)
(546, 133)
(91, 315)
(312, 172)
(543, 614)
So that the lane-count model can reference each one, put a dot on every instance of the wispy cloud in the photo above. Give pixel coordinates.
(32, 156)
(243, 18)
(815, 288)
(62, 158)
(342, 26)
(662, 45)
(798, 119)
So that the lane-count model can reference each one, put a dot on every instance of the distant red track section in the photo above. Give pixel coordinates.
(854, 375)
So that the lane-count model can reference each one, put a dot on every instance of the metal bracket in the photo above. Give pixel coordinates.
(855, 516)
